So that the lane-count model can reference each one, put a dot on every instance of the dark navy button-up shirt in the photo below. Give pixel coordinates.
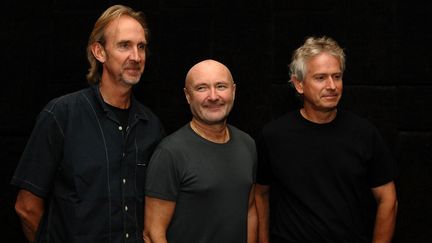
(89, 169)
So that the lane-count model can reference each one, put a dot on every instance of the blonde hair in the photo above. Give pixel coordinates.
(98, 35)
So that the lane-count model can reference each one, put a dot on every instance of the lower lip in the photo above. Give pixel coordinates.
(134, 71)
(213, 108)
(330, 97)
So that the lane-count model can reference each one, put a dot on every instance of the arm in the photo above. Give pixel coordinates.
(263, 210)
(30, 209)
(252, 218)
(385, 219)
(157, 216)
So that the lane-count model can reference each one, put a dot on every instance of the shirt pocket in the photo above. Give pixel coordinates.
(141, 162)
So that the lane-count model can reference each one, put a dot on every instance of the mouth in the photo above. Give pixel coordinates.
(134, 71)
(330, 96)
(213, 106)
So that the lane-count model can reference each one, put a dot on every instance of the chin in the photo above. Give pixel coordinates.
(131, 81)
(214, 121)
(330, 109)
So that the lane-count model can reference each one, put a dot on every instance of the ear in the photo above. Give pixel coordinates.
(298, 85)
(98, 52)
(234, 90)
(187, 95)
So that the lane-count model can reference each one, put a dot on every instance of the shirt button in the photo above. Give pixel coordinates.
(124, 181)
(120, 128)
(126, 208)
(127, 235)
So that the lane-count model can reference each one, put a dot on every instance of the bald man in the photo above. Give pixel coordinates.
(199, 185)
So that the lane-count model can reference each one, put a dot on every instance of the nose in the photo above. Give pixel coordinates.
(331, 83)
(136, 54)
(213, 94)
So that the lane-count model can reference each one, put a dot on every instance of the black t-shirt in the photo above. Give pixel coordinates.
(321, 175)
(121, 114)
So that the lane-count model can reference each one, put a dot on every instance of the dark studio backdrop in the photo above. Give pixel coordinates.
(388, 76)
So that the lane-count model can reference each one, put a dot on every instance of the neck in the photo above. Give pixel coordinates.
(116, 95)
(319, 117)
(217, 133)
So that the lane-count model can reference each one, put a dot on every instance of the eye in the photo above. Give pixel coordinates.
(201, 88)
(123, 45)
(221, 86)
(337, 76)
(142, 46)
(320, 78)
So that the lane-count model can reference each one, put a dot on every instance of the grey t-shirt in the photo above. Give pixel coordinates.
(209, 182)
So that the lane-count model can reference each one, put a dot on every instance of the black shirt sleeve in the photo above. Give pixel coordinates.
(39, 161)
(263, 174)
(382, 166)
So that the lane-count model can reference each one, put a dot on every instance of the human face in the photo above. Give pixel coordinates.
(210, 92)
(124, 51)
(322, 85)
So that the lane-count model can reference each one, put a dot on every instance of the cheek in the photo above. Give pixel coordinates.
(196, 99)
(229, 98)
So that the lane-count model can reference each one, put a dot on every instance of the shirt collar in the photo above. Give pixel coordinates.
(137, 110)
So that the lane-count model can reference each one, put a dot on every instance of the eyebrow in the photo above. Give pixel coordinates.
(129, 41)
(326, 73)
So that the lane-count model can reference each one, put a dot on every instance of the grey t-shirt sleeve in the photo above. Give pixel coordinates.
(162, 180)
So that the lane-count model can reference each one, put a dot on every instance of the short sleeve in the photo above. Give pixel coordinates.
(255, 164)
(382, 166)
(39, 162)
(162, 180)
(263, 174)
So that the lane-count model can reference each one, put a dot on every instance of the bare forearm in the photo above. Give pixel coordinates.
(385, 219)
(252, 224)
(30, 209)
(158, 214)
(263, 226)
(263, 212)
(30, 227)
(384, 224)
(154, 237)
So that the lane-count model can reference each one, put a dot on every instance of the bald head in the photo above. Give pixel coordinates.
(210, 91)
(206, 68)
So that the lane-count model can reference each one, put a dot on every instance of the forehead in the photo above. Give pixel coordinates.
(124, 27)
(323, 62)
(209, 73)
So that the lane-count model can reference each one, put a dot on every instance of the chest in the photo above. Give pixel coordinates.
(218, 172)
(303, 156)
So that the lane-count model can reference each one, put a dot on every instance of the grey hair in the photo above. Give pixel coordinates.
(312, 47)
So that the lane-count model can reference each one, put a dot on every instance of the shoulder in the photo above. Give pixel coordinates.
(241, 138)
(177, 139)
(284, 122)
(353, 120)
(238, 132)
(67, 101)
(146, 113)
(146, 110)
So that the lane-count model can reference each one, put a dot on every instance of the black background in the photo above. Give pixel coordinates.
(388, 76)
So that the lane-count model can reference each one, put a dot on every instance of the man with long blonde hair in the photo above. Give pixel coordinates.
(81, 176)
